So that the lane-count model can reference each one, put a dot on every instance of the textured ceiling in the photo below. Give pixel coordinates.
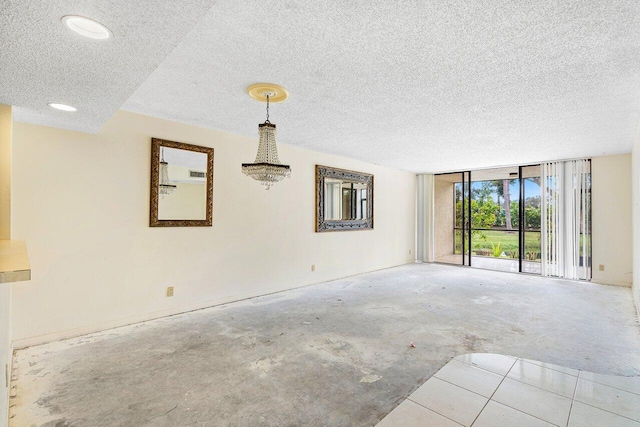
(415, 85)
(41, 61)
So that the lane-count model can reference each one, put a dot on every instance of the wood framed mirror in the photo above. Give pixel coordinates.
(344, 200)
(181, 184)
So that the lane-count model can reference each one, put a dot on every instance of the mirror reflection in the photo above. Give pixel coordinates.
(344, 200)
(183, 185)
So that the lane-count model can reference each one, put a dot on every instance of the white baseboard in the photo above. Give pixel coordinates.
(99, 327)
(623, 284)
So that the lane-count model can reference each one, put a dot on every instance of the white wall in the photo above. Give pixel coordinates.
(636, 219)
(5, 233)
(611, 219)
(444, 191)
(6, 129)
(81, 202)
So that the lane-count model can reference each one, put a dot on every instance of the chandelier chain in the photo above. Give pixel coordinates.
(267, 121)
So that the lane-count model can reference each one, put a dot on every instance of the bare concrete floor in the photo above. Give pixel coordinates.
(334, 354)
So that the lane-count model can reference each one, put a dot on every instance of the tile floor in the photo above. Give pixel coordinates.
(483, 389)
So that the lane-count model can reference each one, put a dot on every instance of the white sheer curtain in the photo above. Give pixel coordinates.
(425, 219)
(566, 214)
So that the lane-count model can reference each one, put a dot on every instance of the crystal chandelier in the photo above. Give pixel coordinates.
(165, 186)
(267, 167)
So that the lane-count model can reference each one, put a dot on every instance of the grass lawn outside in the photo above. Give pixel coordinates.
(484, 243)
(508, 241)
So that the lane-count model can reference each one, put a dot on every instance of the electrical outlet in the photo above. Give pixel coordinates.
(313, 267)
(170, 291)
(601, 267)
(409, 251)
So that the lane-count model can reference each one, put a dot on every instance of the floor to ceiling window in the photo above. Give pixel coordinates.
(502, 238)
(530, 219)
(489, 219)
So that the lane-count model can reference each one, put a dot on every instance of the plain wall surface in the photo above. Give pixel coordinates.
(82, 203)
(6, 126)
(444, 220)
(611, 219)
(636, 219)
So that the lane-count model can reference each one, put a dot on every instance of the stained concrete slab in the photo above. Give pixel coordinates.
(333, 354)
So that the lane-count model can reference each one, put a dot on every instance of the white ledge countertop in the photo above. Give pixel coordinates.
(14, 261)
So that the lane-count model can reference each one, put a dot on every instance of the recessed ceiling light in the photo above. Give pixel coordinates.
(86, 27)
(62, 107)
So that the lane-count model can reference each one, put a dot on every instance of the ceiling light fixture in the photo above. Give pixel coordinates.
(86, 27)
(62, 107)
(267, 167)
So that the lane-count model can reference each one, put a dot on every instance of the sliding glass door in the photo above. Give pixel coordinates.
(495, 219)
(530, 218)
(489, 218)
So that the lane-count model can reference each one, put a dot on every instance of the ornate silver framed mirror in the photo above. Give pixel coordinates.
(344, 200)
